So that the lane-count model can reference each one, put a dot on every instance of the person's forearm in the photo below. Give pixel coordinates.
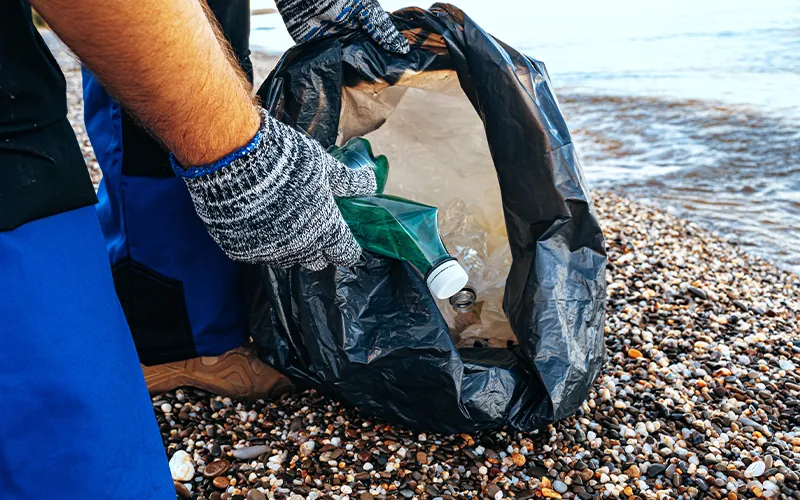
(162, 60)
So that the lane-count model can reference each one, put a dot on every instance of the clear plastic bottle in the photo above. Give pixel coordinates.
(396, 227)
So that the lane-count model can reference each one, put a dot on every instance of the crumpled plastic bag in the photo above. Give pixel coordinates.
(372, 335)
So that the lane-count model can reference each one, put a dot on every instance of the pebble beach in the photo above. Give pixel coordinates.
(700, 397)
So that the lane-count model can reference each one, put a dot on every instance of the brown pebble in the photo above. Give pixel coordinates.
(422, 457)
(492, 489)
(216, 468)
(633, 472)
(635, 353)
(182, 491)
(366, 496)
(221, 482)
(255, 495)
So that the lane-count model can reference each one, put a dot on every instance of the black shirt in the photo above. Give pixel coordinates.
(42, 171)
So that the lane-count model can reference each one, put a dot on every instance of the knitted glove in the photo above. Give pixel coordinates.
(271, 202)
(310, 19)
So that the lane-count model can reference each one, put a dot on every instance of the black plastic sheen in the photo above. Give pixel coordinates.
(372, 335)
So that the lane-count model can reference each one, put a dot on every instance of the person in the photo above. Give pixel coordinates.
(77, 420)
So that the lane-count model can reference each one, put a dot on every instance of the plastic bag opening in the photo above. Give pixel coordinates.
(438, 155)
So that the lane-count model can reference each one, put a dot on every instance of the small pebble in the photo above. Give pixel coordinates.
(755, 469)
(181, 466)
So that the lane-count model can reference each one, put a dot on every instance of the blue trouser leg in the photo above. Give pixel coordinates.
(76, 419)
(181, 294)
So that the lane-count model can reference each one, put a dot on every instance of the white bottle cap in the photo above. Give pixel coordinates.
(446, 279)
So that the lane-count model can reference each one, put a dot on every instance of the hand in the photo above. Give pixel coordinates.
(311, 19)
(271, 202)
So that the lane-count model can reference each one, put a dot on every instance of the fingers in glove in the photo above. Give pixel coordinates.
(350, 182)
(344, 250)
(341, 249)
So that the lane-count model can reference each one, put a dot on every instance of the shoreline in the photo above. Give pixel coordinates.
(700, 397)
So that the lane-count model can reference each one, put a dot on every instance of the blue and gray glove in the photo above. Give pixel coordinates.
(310, 19)
(271, 202)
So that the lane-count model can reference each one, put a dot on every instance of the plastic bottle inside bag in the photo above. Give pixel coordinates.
(397, 227)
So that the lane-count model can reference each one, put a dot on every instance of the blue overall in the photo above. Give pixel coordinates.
(77, 422)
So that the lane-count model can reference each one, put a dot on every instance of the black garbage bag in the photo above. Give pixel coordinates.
(371, 335)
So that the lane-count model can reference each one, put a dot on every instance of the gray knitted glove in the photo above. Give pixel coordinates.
(310, 19)
(271, 202)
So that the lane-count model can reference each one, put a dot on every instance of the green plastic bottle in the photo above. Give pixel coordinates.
(397, 227)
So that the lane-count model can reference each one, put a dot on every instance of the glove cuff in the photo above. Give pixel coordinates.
(210, 168)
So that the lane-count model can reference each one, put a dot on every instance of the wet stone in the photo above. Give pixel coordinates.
(655, 470)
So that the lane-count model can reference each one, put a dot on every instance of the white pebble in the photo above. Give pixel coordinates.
(755, 469)
(770, 486)
(181, 466)
(166, 408)
(307, 447)
(368, 466)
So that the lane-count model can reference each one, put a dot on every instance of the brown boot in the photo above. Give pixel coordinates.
(237, 373)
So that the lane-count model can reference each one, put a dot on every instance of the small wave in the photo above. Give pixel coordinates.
(715, 163)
